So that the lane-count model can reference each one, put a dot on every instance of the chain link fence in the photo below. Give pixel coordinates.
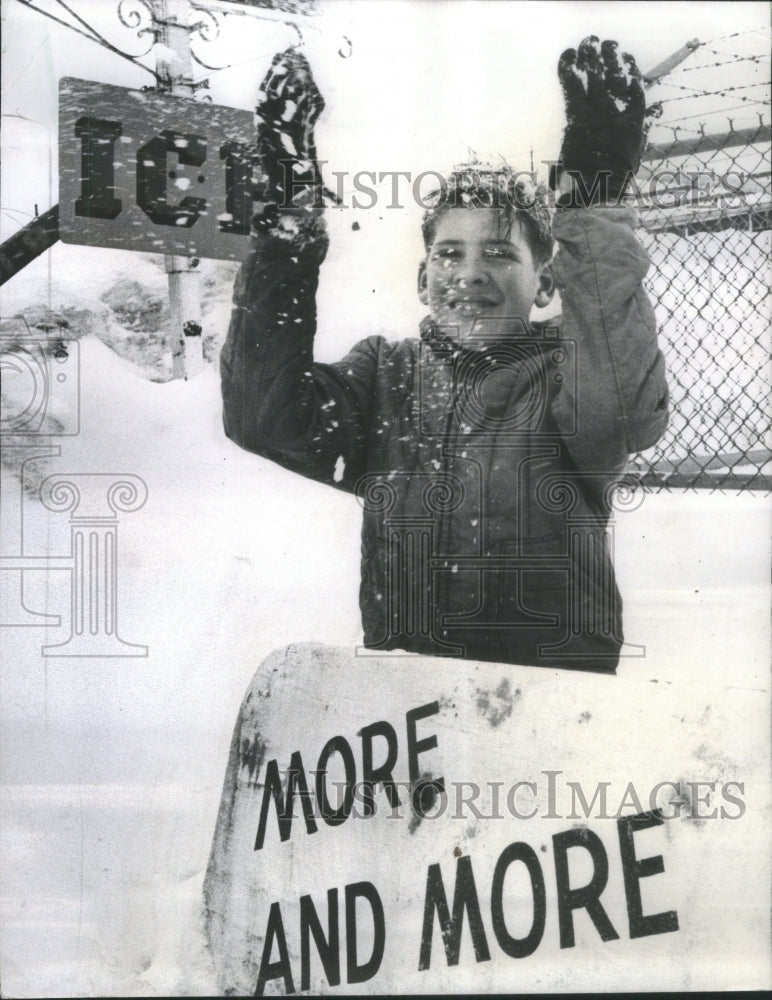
(705, 210)
(705, 204)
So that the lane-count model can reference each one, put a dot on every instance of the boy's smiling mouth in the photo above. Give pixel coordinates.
(469, 304)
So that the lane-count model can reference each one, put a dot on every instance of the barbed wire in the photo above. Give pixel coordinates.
(701, 92)
(671, 123)
(735, 34)
(713, 65)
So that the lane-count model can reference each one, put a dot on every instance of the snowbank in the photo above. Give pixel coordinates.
(113, 767)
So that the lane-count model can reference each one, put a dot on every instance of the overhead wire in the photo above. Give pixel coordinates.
(93, 36)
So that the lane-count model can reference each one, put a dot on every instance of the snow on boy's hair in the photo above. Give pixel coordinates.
(480, 185)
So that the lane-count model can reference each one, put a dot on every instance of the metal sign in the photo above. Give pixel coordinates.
(484, 823)
(152, 172)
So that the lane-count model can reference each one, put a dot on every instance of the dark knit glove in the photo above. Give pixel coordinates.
(606, 122)
(288, 189)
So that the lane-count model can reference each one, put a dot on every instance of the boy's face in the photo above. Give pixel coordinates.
(476, 271)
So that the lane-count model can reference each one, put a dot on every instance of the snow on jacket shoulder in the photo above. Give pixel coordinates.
(484, 473)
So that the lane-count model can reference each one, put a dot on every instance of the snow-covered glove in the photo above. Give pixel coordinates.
(288, 189)
(606, 121)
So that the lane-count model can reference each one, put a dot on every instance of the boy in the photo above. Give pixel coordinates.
(486, 451)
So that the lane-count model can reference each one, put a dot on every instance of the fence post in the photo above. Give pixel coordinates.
(174, 69)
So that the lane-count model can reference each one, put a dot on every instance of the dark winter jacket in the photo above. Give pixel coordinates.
(485, 474)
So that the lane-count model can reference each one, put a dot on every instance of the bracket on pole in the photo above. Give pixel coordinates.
(668, 65)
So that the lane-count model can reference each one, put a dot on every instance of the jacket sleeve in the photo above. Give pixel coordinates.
(310, 418)
(619, 404)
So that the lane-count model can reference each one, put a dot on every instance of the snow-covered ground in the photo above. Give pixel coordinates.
(112, 768)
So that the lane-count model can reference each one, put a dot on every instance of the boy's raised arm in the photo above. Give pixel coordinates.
(276, 401)
(621, 400)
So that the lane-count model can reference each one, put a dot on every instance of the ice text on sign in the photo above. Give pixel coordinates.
(154, 172)
(97, 172)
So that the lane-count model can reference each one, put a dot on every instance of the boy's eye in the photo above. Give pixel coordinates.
(504, 252)
(446, 253)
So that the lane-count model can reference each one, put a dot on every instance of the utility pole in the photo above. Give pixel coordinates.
(174, 68)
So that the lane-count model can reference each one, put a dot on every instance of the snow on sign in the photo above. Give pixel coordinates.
(145, 171)
(455, 826)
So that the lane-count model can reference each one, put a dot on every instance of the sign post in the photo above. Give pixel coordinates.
(174, 69)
